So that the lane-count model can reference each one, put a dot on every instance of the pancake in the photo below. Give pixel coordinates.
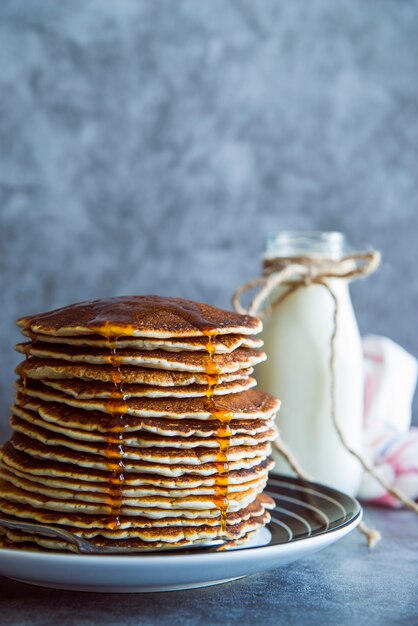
(41, 369)
(150, 530)
(99, 489)
(250, 404)
(151, 498)
(96, 522)
(159, 359)
(32, 466)
(141, 541)
(137, 425)
(222, 343)
(29, 493)
(154, 461)
(22, 420)
(140, 316)
(33, 541)
(192, 455)
(91, 390)
(96, 422)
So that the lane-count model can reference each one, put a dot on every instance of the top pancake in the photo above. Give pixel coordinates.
(140, 316)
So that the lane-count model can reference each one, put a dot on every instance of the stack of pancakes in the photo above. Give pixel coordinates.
(136, 424)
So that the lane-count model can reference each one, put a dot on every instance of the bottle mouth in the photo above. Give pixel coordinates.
(332, 244)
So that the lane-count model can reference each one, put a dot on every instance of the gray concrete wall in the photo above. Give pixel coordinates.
(153, 146)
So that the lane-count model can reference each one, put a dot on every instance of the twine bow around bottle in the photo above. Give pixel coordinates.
(301, 271)
(296, 272)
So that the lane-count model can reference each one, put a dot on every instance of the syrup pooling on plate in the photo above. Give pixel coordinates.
(223, 435)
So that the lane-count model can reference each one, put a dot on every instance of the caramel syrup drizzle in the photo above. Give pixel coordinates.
(117, 408)
(223, 434)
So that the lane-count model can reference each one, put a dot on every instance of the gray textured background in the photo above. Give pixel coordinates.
(153, 146)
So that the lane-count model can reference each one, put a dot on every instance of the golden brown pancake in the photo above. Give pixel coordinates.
(155, 461)
(96, 422)
(22, 420)
(39, 467)
(20, 504)
(245, 405)
(194, 455)
(100, 489)
(61, 454)
(158, 359)
(96, 522)
(90, 390)
(157, 506)
(142, 541)
(40, 369)
(221, 343)
(140, 316)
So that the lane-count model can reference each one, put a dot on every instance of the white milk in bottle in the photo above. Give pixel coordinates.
(297, 342)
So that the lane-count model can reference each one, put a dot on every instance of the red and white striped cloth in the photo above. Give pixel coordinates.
(390, 444)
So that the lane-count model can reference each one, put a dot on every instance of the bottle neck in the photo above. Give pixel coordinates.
(299, 244)
(315, 253)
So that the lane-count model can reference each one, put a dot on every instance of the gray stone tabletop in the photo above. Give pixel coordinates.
(346, 584)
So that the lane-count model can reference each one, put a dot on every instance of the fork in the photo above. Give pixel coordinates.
(82, 545)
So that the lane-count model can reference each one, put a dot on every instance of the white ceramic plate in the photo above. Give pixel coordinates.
(307, 518)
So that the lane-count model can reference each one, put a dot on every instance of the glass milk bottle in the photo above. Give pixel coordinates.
(297, 338)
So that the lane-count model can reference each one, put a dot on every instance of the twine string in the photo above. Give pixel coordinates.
(302, 271)
(372, 535)
(294, 273)
(396, 493)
